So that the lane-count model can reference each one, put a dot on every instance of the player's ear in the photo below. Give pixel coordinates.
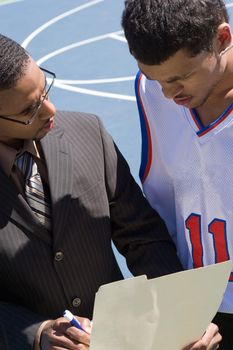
(224, 37)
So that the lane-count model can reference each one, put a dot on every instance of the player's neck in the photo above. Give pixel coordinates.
(208, 113)
(219, 100)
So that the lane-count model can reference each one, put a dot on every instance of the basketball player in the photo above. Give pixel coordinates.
(184, 89)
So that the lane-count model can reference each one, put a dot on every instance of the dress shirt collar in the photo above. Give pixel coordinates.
(8, 154)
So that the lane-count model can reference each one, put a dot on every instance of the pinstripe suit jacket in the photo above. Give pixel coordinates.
(94, 200)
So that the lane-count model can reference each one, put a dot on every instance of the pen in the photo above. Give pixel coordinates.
(70, 317)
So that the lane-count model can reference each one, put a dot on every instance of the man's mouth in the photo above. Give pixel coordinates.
(184, 100)
(49, 124)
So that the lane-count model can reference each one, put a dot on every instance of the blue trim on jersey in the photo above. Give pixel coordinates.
(211, 125)
(200, 125)
(144, 144)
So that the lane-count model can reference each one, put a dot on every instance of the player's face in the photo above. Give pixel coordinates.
(188, 80)
(19, 103)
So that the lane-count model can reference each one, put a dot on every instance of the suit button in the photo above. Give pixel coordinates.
(76, 302)
(59, 256)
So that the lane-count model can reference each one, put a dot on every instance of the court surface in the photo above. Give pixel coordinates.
(82, 42)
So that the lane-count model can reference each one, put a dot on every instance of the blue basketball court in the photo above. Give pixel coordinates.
(83, 43)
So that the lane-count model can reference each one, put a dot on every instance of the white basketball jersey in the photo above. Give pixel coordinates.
(187, 175)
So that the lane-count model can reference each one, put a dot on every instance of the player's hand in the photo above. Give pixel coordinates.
(62, 335)
(209, 341)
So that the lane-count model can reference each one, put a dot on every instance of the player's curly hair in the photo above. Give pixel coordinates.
(157, 29)
(13, 61)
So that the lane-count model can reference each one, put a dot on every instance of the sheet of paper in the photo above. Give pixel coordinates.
(163, 313)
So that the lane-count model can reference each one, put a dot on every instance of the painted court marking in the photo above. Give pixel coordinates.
(68, 84)
(6, 2)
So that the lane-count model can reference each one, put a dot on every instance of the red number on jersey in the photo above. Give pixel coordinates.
(218, 230)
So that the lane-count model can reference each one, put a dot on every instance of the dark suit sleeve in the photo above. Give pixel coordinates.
(137, 230)
(18, 327)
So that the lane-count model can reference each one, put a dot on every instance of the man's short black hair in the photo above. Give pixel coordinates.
(13, 61)
(157, 29)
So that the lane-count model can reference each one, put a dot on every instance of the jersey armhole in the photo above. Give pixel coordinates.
(146, 146)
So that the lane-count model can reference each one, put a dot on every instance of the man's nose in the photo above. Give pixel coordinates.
(172, 90)
(48, 109)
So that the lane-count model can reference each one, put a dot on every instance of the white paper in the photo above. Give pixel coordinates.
(164, 313)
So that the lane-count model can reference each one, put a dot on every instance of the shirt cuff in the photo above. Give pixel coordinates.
(36, 345)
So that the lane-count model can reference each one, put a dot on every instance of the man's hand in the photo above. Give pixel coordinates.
(62, 335)
(209, 341)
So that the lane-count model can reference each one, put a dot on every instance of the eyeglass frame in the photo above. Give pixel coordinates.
(44, 97)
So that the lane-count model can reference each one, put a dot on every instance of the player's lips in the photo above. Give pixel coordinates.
(182, 100)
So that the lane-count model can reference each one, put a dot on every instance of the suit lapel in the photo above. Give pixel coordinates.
(14, 206)
(58, 157)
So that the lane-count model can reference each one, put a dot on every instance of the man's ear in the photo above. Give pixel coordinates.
(224, 37)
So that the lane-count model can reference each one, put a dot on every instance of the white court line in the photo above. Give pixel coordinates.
(95, 81)
(94, 92)
(63, 84)
(26, 42)
(6, 2)
(118, 37)
(74, 45)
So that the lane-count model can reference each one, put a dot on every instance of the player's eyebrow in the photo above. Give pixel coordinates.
(179, 77)
(171, 79)
(175, 78)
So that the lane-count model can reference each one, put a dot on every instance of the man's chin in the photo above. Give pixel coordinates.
(40, 135)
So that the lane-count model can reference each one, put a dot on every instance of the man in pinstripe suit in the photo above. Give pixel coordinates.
(92, 199)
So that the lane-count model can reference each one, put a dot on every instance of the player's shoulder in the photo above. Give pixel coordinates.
(145, 87)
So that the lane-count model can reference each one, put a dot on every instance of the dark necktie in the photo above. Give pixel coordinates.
(36, 193)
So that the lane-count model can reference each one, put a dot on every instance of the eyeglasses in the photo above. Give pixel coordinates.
(49, 80)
